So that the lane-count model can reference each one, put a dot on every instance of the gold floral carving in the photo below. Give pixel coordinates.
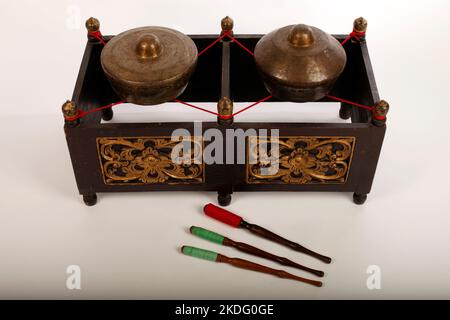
(147, 160)
(300, 160)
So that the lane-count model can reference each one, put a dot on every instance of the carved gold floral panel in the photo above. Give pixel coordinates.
(299, 160)
(148, 160)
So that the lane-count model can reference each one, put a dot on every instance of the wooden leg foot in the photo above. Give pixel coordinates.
(90, 199)
(107, 114)
(345, 112)
(359, 198)
(224, 199)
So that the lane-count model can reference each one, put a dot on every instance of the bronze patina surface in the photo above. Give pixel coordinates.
(299, 62)
(149, 65)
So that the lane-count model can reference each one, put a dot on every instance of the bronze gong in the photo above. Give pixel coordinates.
(149, 65)
(299, 62)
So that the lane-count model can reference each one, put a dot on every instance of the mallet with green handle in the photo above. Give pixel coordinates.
(218, 238)
(244, 264)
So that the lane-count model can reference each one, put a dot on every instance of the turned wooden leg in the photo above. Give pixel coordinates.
(345, 112)
(107, 114)
(90, 199)
(224, 199)
(359, 198)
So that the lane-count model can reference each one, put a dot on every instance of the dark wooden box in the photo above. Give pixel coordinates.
(225, 70)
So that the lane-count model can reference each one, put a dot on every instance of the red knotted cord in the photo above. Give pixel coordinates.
(82, 113)
(379, 117)
(355, 35)
(97, 35)
(226, 34)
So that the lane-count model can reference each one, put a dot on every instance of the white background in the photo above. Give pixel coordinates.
(127, 245)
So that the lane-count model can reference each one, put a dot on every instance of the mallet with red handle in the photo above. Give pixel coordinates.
(236, 221)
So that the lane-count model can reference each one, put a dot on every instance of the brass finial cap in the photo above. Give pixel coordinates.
(381, 109)
(92, 24)
(301, 35)
(227, 24)
(225, 107)
(148, 46)
(69, 109)
(360, 25)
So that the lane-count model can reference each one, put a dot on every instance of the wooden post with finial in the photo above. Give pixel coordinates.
(227, 26)
(93, 27)
(70, 111)
(225, 110)
(379, 113)
(359, 29)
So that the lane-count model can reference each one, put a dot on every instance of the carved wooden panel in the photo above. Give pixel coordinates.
(147, 160)
(301, 160)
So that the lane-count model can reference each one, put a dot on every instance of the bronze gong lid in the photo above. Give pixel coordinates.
(149, 65)
(299, 62)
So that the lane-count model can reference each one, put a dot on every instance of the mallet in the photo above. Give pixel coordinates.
(244, 264)
(236, 221)
(218, 238)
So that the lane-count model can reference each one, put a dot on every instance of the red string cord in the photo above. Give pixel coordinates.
(198, 108)
(357, 105)
(240, 44)
(228, 35)
(221, 116)
(350, 102)
(97, 35)
(355, 35)
(213, 43)
(250, 106)
(378, 117)
(82, 113)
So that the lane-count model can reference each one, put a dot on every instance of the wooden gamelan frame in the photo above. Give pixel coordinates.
(315, 154)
